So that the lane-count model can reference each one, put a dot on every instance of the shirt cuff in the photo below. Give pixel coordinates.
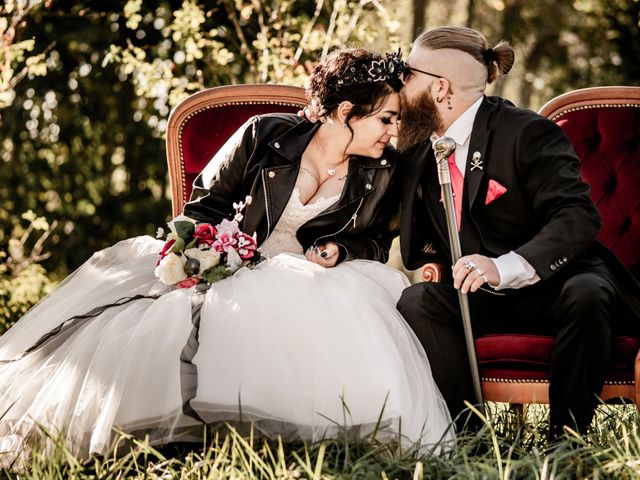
(514, 271)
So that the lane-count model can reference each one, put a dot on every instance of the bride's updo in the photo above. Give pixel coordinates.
(356, 75)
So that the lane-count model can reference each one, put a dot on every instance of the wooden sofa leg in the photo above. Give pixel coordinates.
(518, 412)
(636, 377)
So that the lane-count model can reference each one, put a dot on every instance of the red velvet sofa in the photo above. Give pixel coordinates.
(602, 123)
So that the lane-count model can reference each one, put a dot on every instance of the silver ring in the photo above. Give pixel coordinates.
(484, 277)
(479, 272)
(469, 266)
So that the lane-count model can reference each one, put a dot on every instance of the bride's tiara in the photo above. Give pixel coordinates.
(383, 70)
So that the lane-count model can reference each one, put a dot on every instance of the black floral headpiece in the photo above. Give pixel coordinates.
(383, 70)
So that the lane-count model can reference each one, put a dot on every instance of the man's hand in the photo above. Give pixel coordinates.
(325, 255)
(472, 271)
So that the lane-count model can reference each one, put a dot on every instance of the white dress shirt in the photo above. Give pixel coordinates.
(514, 271)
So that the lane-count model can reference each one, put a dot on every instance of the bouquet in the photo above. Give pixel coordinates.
(202, 253)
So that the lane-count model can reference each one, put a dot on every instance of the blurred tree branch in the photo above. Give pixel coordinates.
(15, 63)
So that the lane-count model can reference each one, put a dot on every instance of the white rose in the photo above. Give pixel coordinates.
(170, 270)
(207, 258)
(234, 262)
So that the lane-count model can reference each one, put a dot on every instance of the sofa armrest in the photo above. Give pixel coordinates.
(432, 272)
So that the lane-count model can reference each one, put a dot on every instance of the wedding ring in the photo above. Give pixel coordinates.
(484, 277)
(469, 266)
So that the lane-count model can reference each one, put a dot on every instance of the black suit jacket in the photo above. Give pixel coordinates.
(545, 215)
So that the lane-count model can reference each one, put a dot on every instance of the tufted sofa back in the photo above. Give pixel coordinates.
(603, 125)
(204, 121)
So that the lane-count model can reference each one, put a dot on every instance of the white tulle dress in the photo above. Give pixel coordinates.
(290, 347)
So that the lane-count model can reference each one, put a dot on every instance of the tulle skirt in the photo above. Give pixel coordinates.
(288, 347)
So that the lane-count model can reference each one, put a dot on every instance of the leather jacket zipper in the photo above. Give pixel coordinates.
(353, 219)
(266, 204)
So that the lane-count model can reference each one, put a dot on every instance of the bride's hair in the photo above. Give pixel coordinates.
(356, 75)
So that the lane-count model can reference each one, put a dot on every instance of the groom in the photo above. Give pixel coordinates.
(530, 261)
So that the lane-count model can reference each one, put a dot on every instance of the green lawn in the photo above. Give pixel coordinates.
(504, 448)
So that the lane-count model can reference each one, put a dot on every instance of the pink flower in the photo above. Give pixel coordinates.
(224, 241)
(188, 282)
(205, 233)
(246, 246)
(228, 226)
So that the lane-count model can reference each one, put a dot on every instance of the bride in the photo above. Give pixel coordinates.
(305, 344)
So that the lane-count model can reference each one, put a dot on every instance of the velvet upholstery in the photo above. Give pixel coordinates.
(512, 357)
(603, 125)
(203, 122)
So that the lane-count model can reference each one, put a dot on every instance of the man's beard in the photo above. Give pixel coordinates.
(420, 119)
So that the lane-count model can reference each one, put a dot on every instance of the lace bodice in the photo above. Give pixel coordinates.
(295, 214)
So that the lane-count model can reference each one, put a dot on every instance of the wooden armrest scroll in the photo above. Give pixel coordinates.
(432, 272)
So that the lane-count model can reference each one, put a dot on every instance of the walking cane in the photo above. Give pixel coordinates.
(444, 148)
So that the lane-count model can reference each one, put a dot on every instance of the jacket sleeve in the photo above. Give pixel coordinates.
(548, 170)
(219, 185)
(374, 241)
(423, 247)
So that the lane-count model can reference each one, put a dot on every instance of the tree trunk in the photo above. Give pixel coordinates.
(419, 16)
(471, 13)
(511, 21)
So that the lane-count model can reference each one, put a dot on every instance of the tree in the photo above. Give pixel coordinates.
(84, 145)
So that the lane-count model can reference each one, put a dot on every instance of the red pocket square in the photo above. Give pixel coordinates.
(494, 191)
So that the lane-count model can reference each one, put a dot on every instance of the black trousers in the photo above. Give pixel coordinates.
(577, 309)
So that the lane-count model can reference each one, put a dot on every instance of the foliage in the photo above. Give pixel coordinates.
(200, 45)
(84, 145)
(23, 280)
(16, 62)
(503, 449)
(72, 148)
(559, 46)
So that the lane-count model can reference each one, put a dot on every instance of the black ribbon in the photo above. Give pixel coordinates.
(188, 370)
(72, 324)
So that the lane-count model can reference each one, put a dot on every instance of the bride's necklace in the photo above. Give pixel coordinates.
(331, 170)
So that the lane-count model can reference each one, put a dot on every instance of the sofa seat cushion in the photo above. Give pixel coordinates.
(526, 357)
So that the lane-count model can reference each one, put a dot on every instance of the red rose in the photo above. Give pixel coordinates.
(165, 250)
(205, 233)
(188, 282)
(246, 246)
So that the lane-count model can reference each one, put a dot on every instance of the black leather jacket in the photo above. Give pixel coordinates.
(263, 160)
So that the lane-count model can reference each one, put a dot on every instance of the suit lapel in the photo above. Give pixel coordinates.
(475, 172)
(477, 150)
(413, 164)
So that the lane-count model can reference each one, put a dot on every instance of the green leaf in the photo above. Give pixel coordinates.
(178, 246)
(184, 229)
(215, 274)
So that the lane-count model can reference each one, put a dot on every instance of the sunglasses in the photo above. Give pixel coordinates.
(407, 70)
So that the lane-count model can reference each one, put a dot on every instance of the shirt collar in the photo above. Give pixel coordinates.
(460, 130)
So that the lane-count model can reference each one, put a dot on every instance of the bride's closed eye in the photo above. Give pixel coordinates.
(387, 120)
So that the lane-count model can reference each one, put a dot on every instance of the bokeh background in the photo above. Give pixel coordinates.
(86, 88)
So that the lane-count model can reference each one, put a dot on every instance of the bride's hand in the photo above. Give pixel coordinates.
(310, 112)
(325, 255)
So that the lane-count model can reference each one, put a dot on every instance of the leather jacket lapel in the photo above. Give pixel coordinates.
(277, 174)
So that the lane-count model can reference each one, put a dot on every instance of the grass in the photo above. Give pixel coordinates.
(504, 448)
